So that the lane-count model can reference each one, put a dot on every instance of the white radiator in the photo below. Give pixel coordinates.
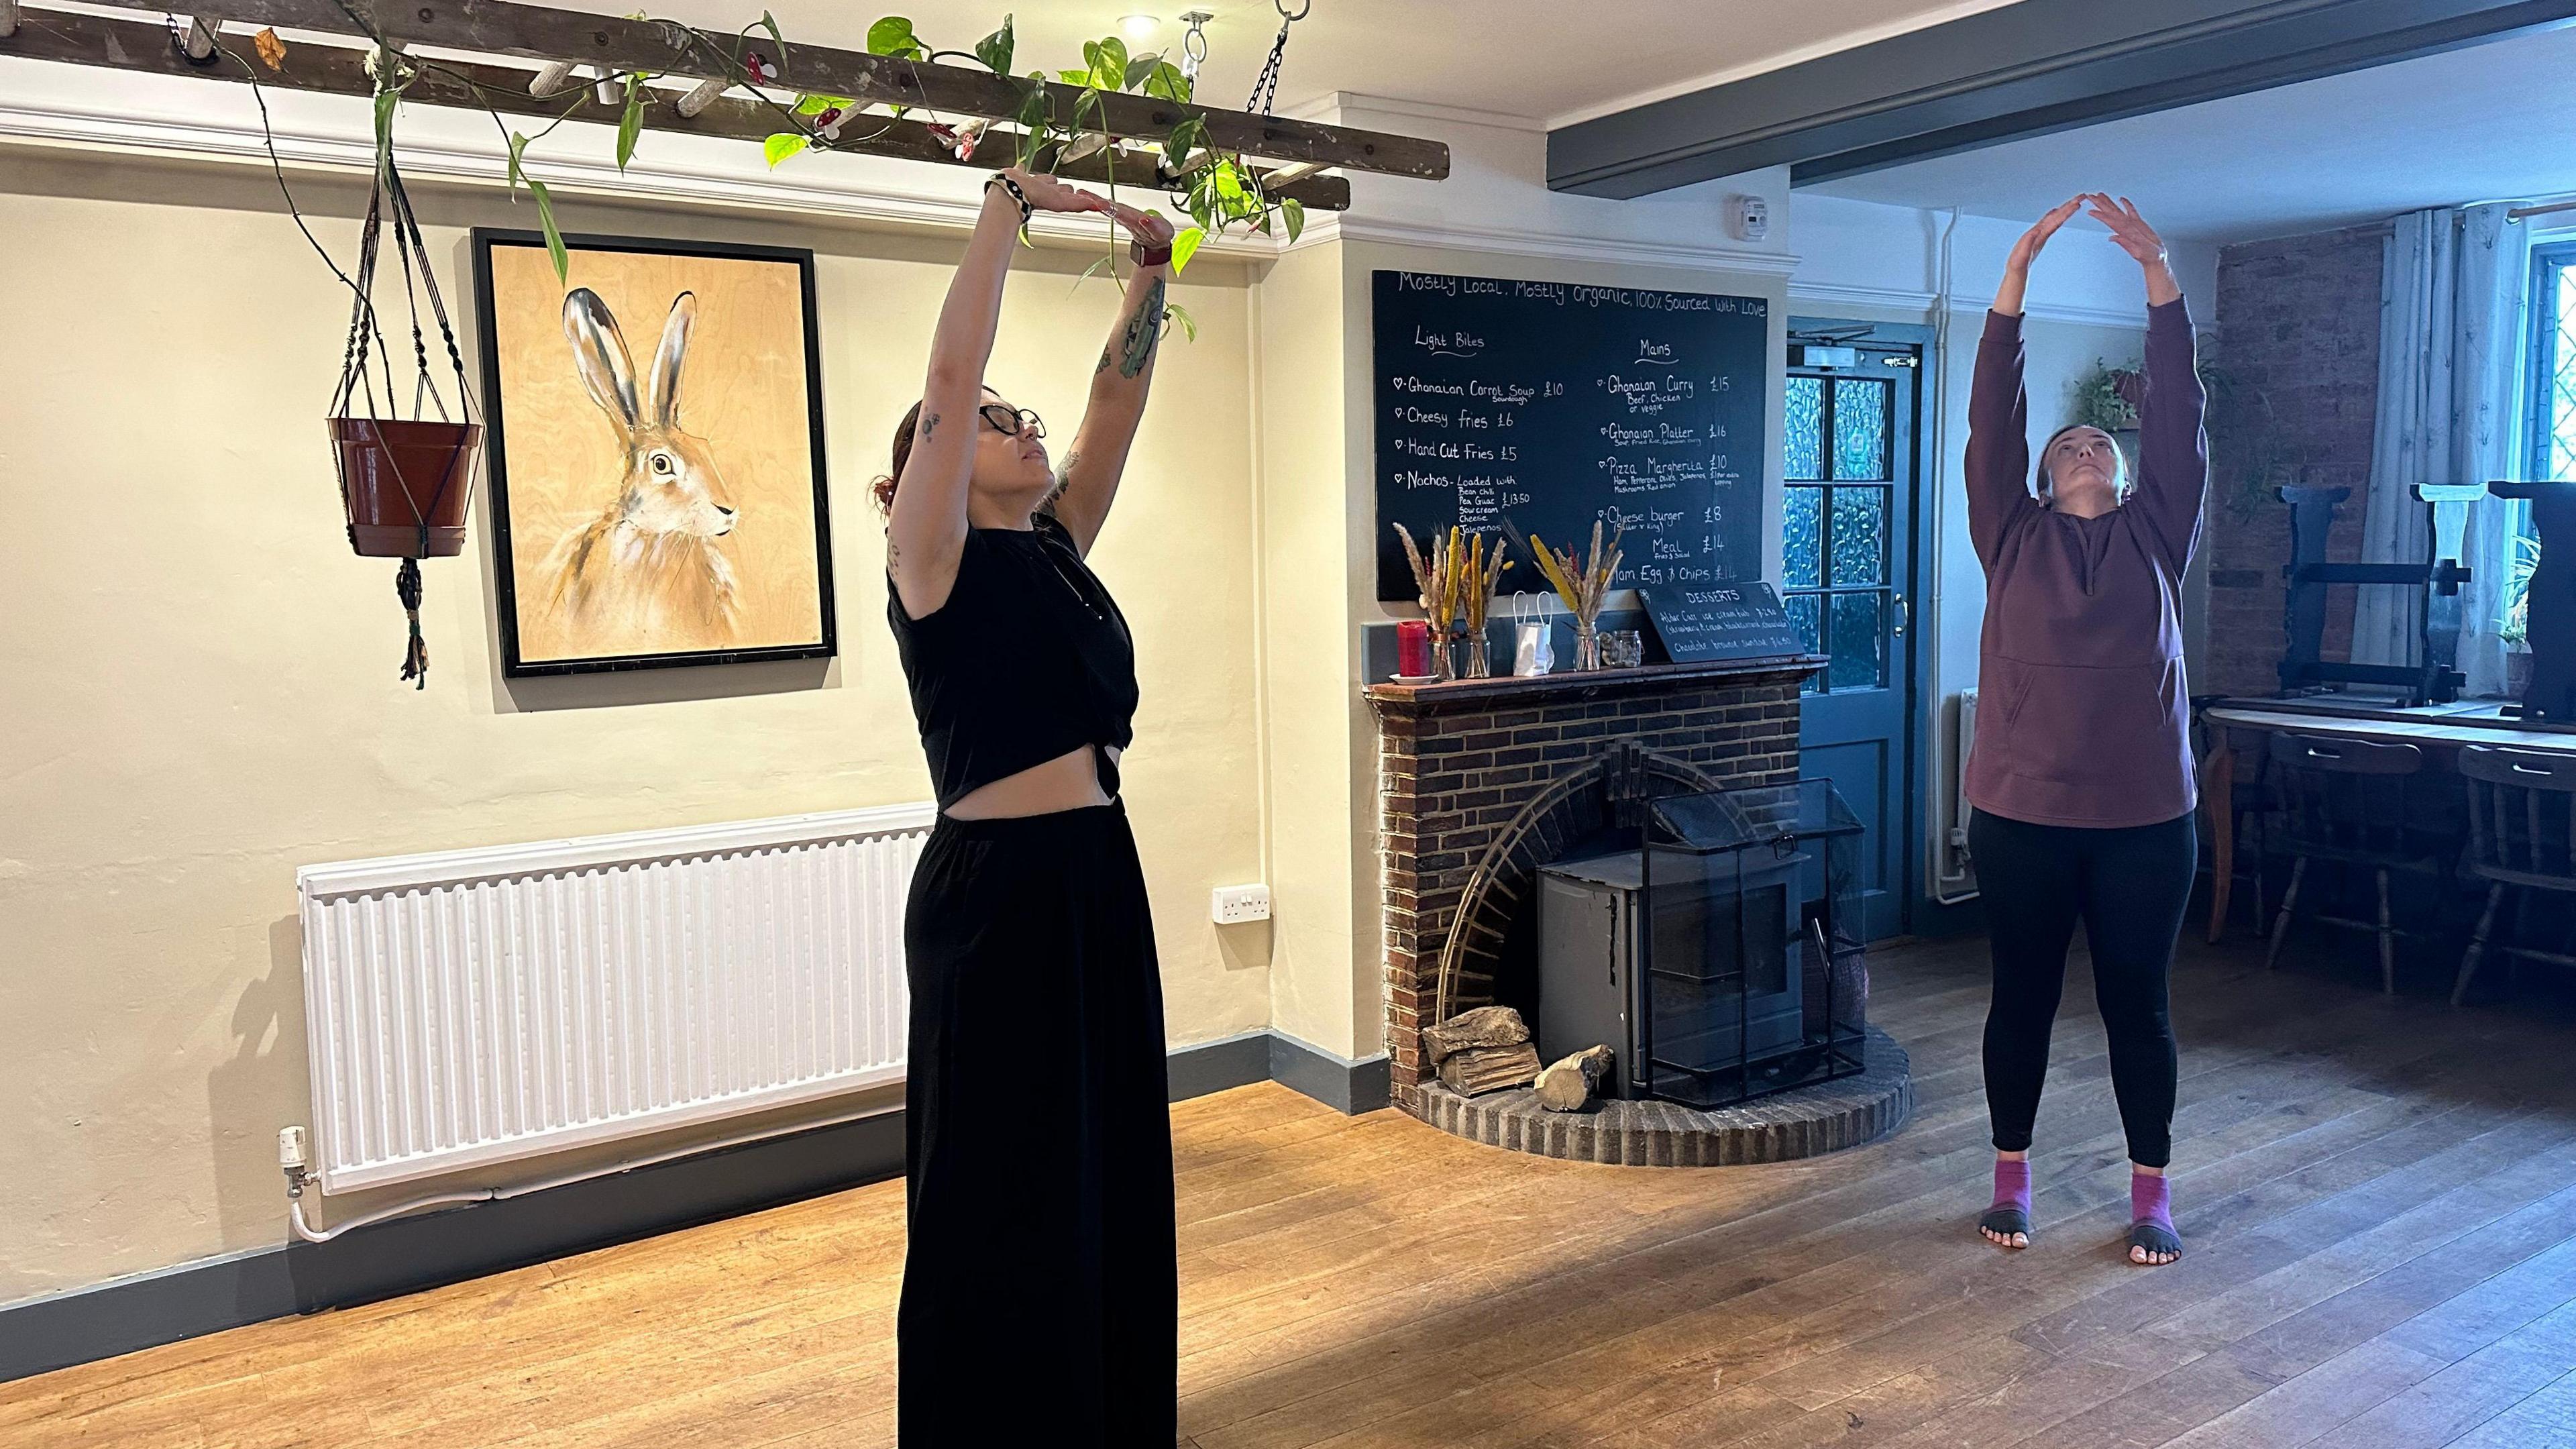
(477, 1006)
(1954, 875)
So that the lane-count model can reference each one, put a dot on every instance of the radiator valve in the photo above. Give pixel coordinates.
(290, 1159)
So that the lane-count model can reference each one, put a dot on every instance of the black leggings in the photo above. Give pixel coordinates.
(2129, 886)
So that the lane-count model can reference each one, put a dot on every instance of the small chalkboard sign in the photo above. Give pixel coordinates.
(1721, 621)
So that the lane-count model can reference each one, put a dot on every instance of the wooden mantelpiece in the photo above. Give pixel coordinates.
(1648, 676)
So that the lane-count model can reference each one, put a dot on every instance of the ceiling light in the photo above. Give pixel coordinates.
(1140, 26)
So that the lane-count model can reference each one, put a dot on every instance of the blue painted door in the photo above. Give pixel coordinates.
(1847, 571)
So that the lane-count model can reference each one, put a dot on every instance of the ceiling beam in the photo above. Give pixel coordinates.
(2019, 70)
(144, 45)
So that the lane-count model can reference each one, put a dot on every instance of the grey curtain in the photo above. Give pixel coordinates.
(2450, 389)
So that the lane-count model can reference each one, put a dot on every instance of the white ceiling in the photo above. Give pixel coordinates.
(2486, 123)
(1547, 60)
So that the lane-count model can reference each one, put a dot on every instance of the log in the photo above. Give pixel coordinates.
(1568, 1084)
(1486, 1026)
(1478, 1070)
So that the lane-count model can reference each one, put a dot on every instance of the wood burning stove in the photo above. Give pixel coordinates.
(1719, 959)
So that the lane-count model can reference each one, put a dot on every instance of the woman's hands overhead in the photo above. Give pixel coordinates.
(2130, 232)
(2027, 250)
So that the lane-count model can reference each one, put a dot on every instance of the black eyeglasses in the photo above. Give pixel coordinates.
(1009, 420)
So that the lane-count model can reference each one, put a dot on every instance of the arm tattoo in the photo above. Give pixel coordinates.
(929, 425)
(1064, 474)
(1102, 365)
(1144, 332)
(894, 555)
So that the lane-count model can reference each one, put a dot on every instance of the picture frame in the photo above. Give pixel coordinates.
(659, 501)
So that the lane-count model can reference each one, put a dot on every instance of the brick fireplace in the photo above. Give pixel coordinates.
(1460, 764)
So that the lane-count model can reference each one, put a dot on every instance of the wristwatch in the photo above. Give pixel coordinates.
(1148, 256)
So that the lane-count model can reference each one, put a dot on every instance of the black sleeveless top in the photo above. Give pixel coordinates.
(1028, 659)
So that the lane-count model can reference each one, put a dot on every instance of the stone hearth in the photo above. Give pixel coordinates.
(1803, 1122)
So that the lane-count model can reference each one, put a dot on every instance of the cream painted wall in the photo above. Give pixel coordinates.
(203, 692)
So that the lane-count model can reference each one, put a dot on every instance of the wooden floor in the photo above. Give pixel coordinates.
(2379, 1197)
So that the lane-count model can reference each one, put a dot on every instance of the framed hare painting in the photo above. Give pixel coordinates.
(656, 453)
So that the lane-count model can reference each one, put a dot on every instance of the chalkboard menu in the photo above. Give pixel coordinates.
(1554, 405)
(1700, 622)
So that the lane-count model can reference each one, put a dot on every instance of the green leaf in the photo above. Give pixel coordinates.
(995, 49)
(1185, 245)
(1092, 271)
(816, 105)
(893, 36)
(1186, 137)
(631, 124)
(1166, 82)
(1181, 318)
(770, 24)
(545, 209)
(1139, 67)
(1107, 58)
(1074, 77)
(385, 125)
(784, 144)
(1294, 212)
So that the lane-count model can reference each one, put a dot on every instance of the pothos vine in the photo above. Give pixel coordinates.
(1211, 185)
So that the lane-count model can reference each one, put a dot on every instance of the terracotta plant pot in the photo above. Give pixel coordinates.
(2517, 673)
(397, 475)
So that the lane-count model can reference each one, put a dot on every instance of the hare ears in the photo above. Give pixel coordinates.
(608, 370)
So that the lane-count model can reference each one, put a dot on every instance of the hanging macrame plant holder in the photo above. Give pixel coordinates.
(404, 481)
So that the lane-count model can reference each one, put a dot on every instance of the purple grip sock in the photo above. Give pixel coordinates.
(2150, 1199)
(2012, 1185)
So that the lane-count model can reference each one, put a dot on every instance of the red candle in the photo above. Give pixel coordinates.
(1413, 648)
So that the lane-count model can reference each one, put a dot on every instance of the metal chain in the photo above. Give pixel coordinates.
(1265, 91)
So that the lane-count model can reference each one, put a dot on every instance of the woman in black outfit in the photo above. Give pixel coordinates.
(1039, 1293)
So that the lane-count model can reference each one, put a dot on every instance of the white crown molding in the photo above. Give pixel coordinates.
(1336, 102)
(1829, 295)
(1553, 246)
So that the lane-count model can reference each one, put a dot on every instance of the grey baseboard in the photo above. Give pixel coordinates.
(428, 1250)
(1337, 1082)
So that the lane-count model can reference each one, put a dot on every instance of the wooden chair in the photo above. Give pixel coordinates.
(2348, 802)
(2522, 837)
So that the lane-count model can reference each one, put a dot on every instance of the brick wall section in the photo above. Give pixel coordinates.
(2298, 335)
(1457, 762)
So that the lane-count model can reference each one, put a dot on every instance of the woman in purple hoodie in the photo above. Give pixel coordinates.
(2081, 774)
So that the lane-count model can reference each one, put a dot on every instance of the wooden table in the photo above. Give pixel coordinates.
(2433, 728)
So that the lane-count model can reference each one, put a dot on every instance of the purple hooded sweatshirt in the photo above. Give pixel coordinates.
(2083, 711)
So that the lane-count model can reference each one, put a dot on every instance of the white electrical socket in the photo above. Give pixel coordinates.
(1234, 905)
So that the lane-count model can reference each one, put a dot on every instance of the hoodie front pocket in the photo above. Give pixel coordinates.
(2093, 725)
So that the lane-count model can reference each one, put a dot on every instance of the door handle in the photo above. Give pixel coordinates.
(1904, 613)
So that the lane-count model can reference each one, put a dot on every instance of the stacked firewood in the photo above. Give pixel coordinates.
(1484, 1050)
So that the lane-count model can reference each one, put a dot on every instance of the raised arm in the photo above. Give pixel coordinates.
(926, 530)
(1998, 460)
(2173, 449)
(1119, 383)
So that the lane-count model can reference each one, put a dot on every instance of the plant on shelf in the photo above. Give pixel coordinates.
(2525, 560)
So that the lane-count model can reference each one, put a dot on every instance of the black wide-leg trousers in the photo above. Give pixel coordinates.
(2129, 887)
(1040, 1293)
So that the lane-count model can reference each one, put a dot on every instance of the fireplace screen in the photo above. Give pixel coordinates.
(1719, 959)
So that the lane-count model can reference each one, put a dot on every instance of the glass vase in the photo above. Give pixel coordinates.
(1444, 653)
(1475, 664)
(1587, 645)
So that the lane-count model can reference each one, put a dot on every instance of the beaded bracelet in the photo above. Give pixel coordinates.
(1017, 195)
